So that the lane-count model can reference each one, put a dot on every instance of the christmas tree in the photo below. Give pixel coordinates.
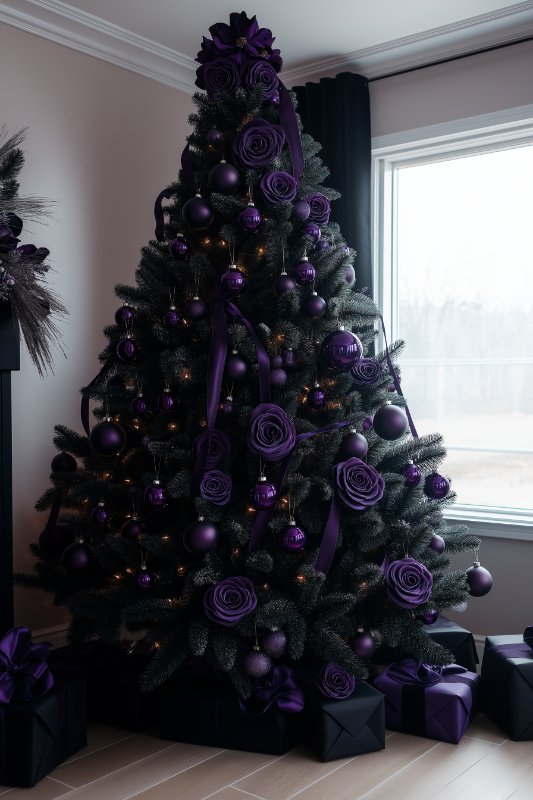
(254, 491)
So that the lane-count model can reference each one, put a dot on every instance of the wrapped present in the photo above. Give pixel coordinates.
(428, 701)
(42, 713)
(457, 640)
(212, 714)
(507, 683)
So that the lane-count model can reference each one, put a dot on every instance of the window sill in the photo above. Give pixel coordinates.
(497, 523)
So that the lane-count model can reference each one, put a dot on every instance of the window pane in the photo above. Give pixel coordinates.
(465, 310)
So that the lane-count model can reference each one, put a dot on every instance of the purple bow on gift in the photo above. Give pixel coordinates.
(278, 687)
(24, 673)
(413, 672)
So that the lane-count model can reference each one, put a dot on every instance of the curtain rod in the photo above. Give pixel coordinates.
(436, 63)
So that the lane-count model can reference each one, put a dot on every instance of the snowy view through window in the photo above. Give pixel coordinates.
(465, 310)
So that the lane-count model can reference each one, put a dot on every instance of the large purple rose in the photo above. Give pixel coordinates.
(409, 582)
(216, 487)
(366, 372)
(228, 601)
(320, 208)
(221, 75)
(359, 485)
(278, 187)
(335, 682)
(241, 40)
(271, 434)
(218, 449)
(261, 74)
(258, 144)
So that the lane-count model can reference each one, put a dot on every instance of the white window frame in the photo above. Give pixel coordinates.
(473, 135)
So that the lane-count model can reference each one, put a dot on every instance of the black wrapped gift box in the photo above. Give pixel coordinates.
(35, 737)
(454, 638)
(342, 728)
(507, 685)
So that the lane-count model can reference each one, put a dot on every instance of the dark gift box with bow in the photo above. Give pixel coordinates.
(211, 714)
(457, 640)
(428, 701)
(42, 713)
(507, 683)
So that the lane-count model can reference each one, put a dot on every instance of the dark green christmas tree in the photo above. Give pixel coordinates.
(252, 492)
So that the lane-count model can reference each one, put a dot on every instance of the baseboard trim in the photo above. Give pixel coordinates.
(56, 635)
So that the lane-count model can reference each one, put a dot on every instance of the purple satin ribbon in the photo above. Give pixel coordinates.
(24, 673)
(395, 379)
(514, 650)
(278, 688)
(289, 123)
(262, 355)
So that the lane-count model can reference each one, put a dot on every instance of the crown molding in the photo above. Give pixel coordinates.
(61, 23)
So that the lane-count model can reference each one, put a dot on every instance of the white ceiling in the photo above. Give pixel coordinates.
(159, 38)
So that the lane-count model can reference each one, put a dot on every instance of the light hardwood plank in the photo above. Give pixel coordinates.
(484, 728)
(46, 789)
(99, 736)
(524, 792)
(229, 793)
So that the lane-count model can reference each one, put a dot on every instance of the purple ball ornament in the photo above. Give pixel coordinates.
(301, 210)
(322, 245)
(199, 537)
(283, 283)
(236, 367)
(368, 423)
(143, 579)
(196, 213)
(257, 664)
(127, 350)
(155, 494)
(314, 306)
(139, 406)
(293, 538)
(278, 377)
(100, 514)
(276, 362)
(437, 543)
(214, 136)
(429, 617)
(316, 397)
(479, 580)
(264, 494)
(354, 445)
(124, 315)
(250, 218)
(304, 272)
(274, 643)
(311, 229)
(390, 422)
(166, 401)
(179, 247)
(26, 250)
(233, 281)
(363, 644)
(196, 309)
(54, 540)
(436, 486)
(289, 359)
(78, 557)
(171, 319)
(412, 474)
(224, 178)
(107, 438)
(132, 529)
(63, 462)
(349, 276)
(340, 350)
(226, 406)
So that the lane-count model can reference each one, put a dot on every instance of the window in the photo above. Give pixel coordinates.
(454, 247)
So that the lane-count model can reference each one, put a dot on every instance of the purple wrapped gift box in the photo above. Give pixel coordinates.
(428, 701)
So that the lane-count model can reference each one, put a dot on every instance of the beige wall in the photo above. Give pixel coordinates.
(102, 142)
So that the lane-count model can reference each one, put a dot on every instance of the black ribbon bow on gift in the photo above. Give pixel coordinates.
(24, 673)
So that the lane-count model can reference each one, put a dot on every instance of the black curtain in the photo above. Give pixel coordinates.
(336, 112)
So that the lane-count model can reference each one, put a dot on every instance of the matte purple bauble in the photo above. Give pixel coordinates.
(63, 462)
(314, 306)
(263, 495)
(304, 272)
(26, 250)
(196, 213)
(349, 276)
(340, 350)
(283, 283)
(107, 438)
(132, 529)
(139, 406)
(436, 486)
(143, 579)
(127, 350)
(236, 367)
(196, 309)
(301, 210)
(278, 377)
(250, 218)
(322, 245)
(55, 539)
(171, 319)
(363, 644)
(179, 247)
(199, 537)
(166, 401)
(257, 664)
(226, 406)
(316, 397)
(437, 543)
(155, 494)
(390, 422)
(429, 617)
(311, 229)
(124, 315)
(233, 281)
(354, 445)
(41, 253)
(214, 136)
(412, 474)
(77, 557)
(224, 178)
(367, 423)
(293, 538)
(479, 580)
(100, 514)
(274, 643)
(289, 359)
(276, 362)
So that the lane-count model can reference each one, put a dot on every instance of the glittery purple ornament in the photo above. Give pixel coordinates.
(214, 136)
(276, 362)
(196, 213)
(316, 397)
(437, 543)
(311, 229)
(436, 486)
(354, 445)
(304, 272)
(171, 319)
(340, 350)
(233, 281)
(278, 377)
(139, 406)
(199, 537)
(166, 401)
(236, 367)
(293, 538)
(479, 580)
(250, 218)
(127, 350)
(143, 579)
(390, 422)
(283, 283)
(63, 462)
(124, 315)
(314, 306)
(196, 309)
(368, 423)
(301, 210)
(100, 514)
(289, 359)
(229, 600)
(54, 539)
(412, 474)
(429, 617)
(257, 664)
(132, 529)
(179, 247)
(224, 178)
(363, 644)
(274, 643)
(226, 406)
(155, 494)
(107, 438)
(263, 495)
(78, 557)
(349, 276)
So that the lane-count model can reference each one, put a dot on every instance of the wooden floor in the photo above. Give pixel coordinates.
(116, 765)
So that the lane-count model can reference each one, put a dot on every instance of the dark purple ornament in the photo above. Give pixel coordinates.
(322, 245)
(107, 438)
(196, 309)
(224, 178)
(479, 580)
(368, 423)
(250, 218)
(41, 253)
(354, 445)
(314, 306)
(179, 247)
(127, 350)
(264, 494)
(293, 538)
(301, 210)
(257, 664)
(196, 213)
(199, 537)
(139, 406)
(304, 272)
(233, 281)
(429, 617)
(278, 377)
(412, 474)
(311, 229)
(436, 486)
(236, 367)
(226, 406)
(100, 514)
(155, 494)
(171, 319)
(349, 277)
(55, 539)
(166, 401)
(78, 557)
(214, 136)
(274, 643)
(143, 579)
(276, 362)
(132, 529)
(340, 350)
(363, 644)
(390, 422)
(283, 283)
(63, 462)
(289, 359)
(437, 543)
(316, 397)
(124, 315)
